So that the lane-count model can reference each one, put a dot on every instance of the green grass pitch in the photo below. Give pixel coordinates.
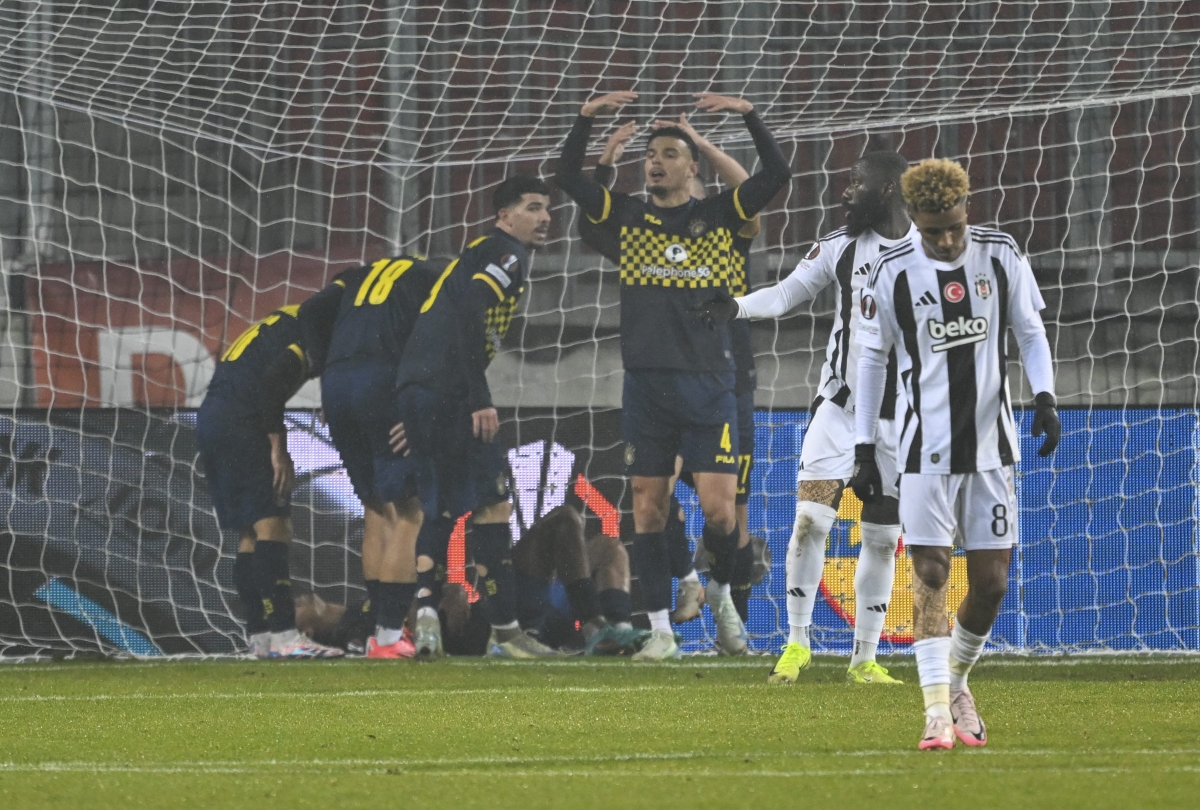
(698, 733)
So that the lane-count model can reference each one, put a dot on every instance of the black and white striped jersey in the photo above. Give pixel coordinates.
(845, 262)
(948, 323)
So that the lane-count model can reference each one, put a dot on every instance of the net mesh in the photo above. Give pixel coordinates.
(173, 171)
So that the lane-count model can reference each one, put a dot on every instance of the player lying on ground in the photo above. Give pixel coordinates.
(688, 596)
(945, 300)
(375, 317)
(876, 221)
(562, 581)
(243, 448)
(678, 396)
(444, 438)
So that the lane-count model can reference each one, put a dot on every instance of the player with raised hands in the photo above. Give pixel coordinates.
(678, 397)
(876, 220)
(945, 299)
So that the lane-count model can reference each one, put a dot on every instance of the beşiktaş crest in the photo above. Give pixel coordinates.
(983, 286)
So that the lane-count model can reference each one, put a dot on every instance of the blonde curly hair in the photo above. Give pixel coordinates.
(934, 186)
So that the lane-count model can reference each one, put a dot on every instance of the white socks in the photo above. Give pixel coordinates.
(933, 670)
(660, 620)
(873, 579)
(798, 634)
(965, 649)
(806, 562)
(385, 637)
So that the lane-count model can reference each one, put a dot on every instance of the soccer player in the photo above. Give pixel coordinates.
(375, 317)
(564, 581)
(876, 221)
(445, 437)
(945, 299)
(243, 448)
(678, 396)
(688, 597)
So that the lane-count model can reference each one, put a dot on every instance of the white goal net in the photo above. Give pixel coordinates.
(172, 171)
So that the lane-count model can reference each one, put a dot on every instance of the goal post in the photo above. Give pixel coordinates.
(172, 172)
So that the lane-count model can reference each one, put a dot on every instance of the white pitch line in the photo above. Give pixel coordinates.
(494, 763)
(501, 691)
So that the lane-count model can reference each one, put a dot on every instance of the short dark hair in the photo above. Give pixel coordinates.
(515, 187)
(674, 132)
(886, 164)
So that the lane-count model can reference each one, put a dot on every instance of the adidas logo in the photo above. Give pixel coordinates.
(795, 592)
(862, 271)
(878, 608)
(926, 300)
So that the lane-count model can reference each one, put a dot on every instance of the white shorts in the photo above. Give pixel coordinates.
(828, 450)
(979, 510)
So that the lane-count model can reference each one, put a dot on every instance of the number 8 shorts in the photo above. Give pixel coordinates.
(979, 510)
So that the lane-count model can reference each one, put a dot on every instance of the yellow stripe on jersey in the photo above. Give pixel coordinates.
(607, 208)
(491, 283)
(296, 350)
(478, 241)
(340, 283)
(737, 203)
(437, 285)
(751, 229)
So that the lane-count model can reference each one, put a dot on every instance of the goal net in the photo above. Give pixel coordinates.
(173, 171)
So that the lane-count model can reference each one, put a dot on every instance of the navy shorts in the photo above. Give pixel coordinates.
(236, 455)
(686, 413)
(745, 416)
(360, 409)
(447, 467)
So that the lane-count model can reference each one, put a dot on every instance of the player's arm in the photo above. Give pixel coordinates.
(774, 172)
(317, 316)
(592, 197)
(805, 281)
(1025, 305)
(606, 169)
(875, 338)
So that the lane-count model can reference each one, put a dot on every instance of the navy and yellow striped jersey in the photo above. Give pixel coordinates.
(464, 319)
(379, 309)
(674, 259)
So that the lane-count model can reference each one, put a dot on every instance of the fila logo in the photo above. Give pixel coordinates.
(926, 300)
(958, 333)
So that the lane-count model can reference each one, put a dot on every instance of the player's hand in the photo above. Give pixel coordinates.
(866, 482)
(683, 123)
(486, 423)
(711, 102)
(607, 103)
(1045, 420)
(718, 310)
(398, 440)
(284, 472)
(617, 143)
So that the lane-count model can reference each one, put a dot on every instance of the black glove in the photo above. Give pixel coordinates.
(1045, 420)
(866, 482)
(718, 310)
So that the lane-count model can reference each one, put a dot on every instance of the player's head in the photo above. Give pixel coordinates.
(672, 161)
(936, 194)
(522, 204)
(873, 190)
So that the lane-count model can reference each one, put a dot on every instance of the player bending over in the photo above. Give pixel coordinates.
(243, 447)
(945, 299)
(688, 596)
(376, 315)
(444, 438)
(876, 221)
(678, 396)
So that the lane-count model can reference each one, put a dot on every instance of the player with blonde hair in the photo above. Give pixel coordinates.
(945, 299)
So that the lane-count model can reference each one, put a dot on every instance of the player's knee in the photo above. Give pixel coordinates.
(931, 567)
(424, 564)
(990, 590)
(826, 493)
(885, 512)
(607, 552)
